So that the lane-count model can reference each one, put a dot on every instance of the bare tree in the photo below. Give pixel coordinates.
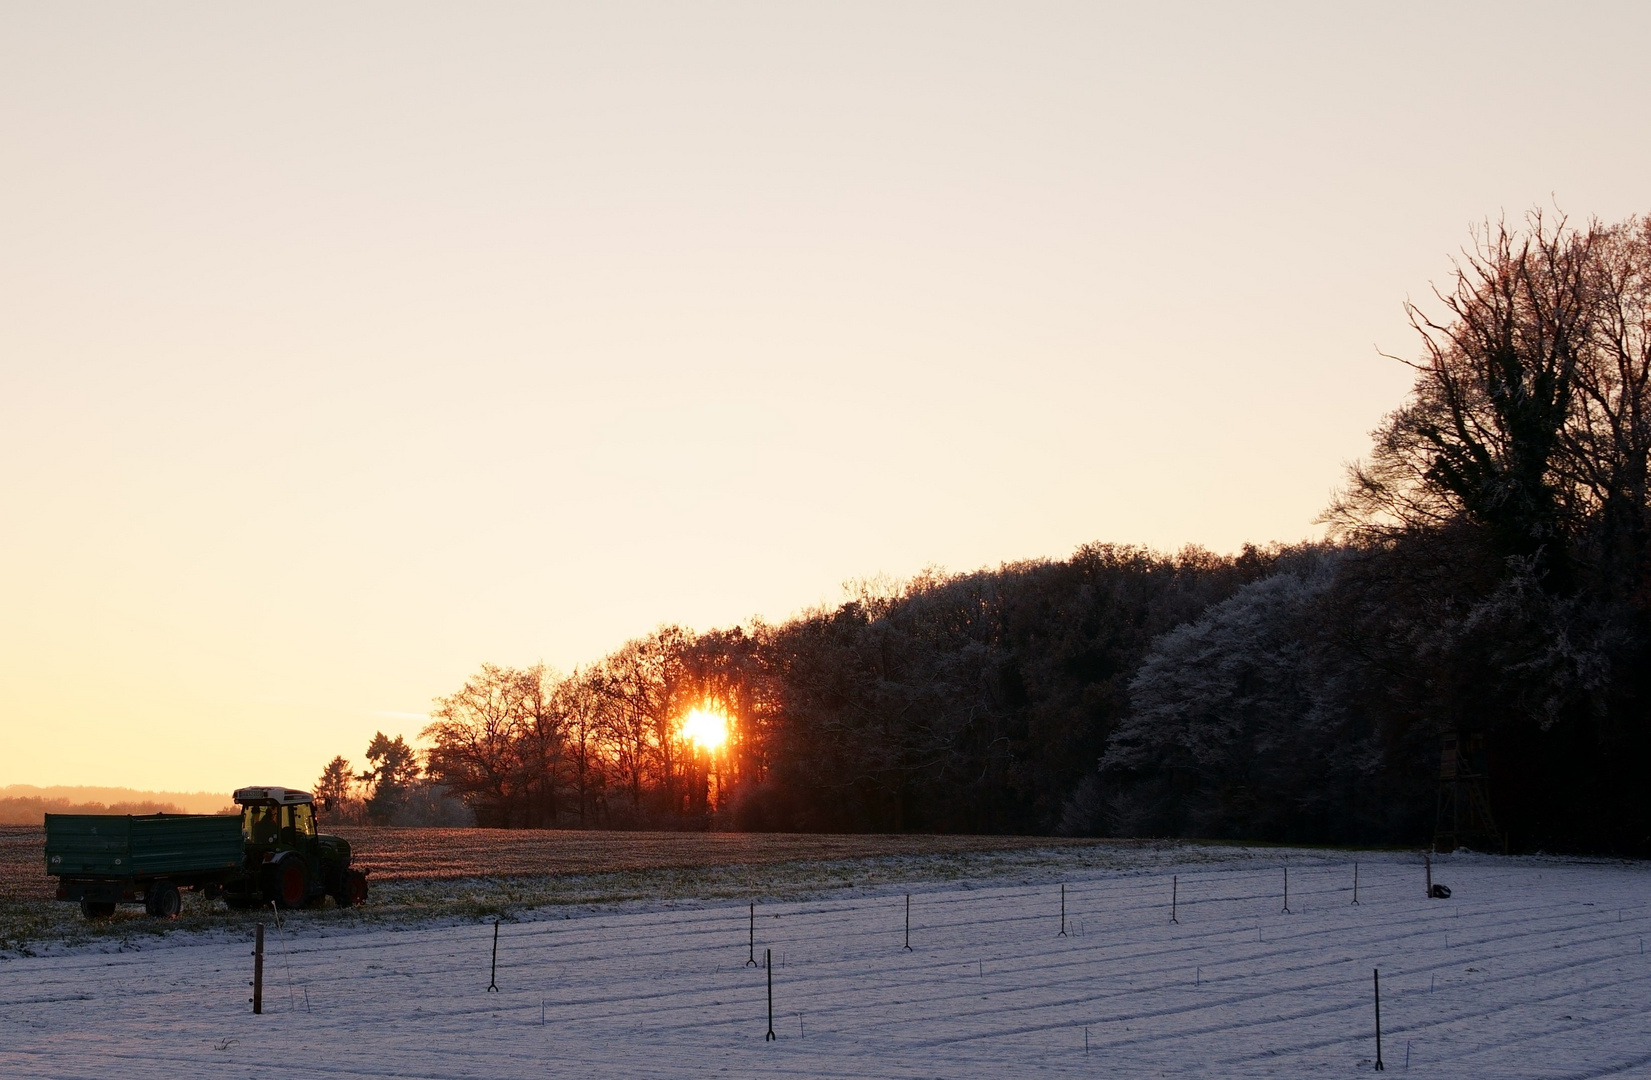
(640, 686)
(1495, 390)
(476, 736)
(541, 735)
(1608, 442)
(579, 702)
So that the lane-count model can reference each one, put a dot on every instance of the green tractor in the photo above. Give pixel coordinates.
(286, 860)
(271, 853)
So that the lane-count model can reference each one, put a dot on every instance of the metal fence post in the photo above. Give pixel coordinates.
(1376, 983)
(493, 976)
(768, 962)
(258, 970)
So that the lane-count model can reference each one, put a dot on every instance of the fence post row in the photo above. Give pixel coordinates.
(768, 955)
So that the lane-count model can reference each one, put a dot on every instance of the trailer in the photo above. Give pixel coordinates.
(105, 859)
(269, 853)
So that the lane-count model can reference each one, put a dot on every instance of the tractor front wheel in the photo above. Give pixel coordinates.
(353, 890)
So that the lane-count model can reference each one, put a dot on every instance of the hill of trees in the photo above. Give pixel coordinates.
(25, 804)
(1487, 570)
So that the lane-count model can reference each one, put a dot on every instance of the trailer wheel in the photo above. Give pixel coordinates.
(96, 909)
(162, 900)
(290, 883)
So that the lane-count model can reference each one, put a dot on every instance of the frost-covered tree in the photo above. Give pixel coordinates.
(1240, 725)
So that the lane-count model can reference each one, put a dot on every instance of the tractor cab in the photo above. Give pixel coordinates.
(288, 861)
(276, 818)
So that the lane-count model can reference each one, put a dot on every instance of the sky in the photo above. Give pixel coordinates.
(346, 347)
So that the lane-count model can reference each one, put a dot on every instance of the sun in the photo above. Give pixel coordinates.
(705, 729)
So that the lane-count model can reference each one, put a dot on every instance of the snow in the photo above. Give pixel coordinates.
(1534, 968)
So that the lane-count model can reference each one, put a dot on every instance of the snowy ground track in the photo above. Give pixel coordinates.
(1534, 968)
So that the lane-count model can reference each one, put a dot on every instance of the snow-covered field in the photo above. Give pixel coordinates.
(1535, 968)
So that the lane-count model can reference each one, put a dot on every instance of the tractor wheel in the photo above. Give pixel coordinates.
(97, 909)
(354, 889)
(162, 900)
(290, 883)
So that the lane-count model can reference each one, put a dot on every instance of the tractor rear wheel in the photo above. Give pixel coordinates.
(290, 883)
(162, 900)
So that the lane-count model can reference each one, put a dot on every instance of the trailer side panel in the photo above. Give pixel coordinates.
(123, 846)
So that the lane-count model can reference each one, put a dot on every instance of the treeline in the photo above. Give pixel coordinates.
(27, 810)
(393, 789)
(967, 703)
(1488, 572)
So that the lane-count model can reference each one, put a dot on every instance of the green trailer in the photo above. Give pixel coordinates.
(269, 853)
(105, 859)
